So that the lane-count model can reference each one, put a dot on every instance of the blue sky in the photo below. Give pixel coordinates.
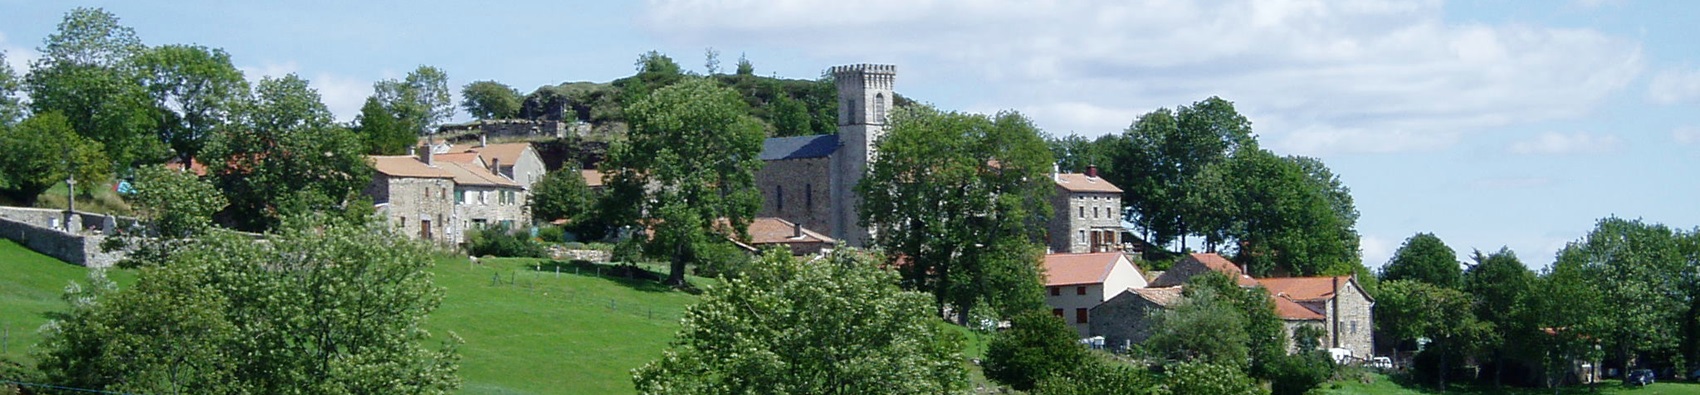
(1488, 123)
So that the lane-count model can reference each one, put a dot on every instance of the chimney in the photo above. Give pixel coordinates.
(483, 139)
(1056, 172)
(425, 154)
(796, 231)
(495, 166)
(1092, 171)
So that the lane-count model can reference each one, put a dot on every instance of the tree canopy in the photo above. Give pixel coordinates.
(193, 90)
(1036, 346)
(696, 145)
(284, 156)
(87, 73)
(959, 200)
(1424, 258)
(46, 151)
(490, 100)
(839, 325)
(420, 101)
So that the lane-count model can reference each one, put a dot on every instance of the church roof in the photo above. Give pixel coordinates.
(801, 147)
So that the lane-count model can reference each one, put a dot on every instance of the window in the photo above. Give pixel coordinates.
(1082, 211)
(1354, 327)
(879, 108)
(1080, 290)
(1056, 312)
(460, 197)
(1080, 237)
(808, 197)
(1079, 316)
(1094, 213)
(779, 198)
(1056, 291)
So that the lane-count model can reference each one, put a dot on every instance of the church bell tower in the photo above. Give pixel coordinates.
(864, 98)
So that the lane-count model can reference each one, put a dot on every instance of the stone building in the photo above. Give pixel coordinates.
(1086, 214)
(768, 232)
(516, 161)
(414, 195)
(811, 180)
(1074, 283)
(1123, 320)
(1343, 306)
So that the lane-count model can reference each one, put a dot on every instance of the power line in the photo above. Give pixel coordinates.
(57, 387)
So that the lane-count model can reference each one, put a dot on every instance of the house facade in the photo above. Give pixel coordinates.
(518, 162)
(1075, 283)
(438, 197)
(1341, 304)
(1086, 214)
(1123, 320)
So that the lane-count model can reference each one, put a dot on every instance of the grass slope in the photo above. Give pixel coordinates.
(30, 287)
(1382, 385)
(533, 332)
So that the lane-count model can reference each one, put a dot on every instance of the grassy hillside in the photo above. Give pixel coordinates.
(1382, 385)
(532, 332)
(30, 286)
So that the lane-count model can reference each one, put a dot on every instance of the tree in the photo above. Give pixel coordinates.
(1099, 377)
(1279, 215)
(382, 132)
(176, 205)
(421, 100)
(1500, 284)
(839, 325)
(47, 151)
(1638, 268)
(322, 307)
(1424, 258)
(744, 66)
(1207, 378)
(1567, 314)
(11, 106)
(561, 194)
(1202, 328)
(193, 90)
(490, 100)
(961, 199)
(1266, 336)
(695, 143)
(1165, 153)
(1409, 309)
(87, 74)
(1036, 346)
(284, 156)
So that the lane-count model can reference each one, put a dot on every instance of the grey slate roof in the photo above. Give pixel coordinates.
(817, 146)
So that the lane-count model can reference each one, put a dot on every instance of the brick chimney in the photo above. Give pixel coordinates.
(797, 231)
(495, 166)
(1092, 171)
(425, 154)
(483, 140)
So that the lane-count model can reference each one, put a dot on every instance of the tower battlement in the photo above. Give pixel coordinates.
(864, 68)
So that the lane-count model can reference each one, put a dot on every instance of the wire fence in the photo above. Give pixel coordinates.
(548, 280)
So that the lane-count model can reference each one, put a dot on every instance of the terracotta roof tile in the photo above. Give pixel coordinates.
(1160, 296)
(1222, 265)
(507, 153)
(1076, 182)
(592, 177)
(770, 230)
(1304, 288)
(1074, 269)
(1293, 311)
(460, 157)
(406, 166)
(471, 174)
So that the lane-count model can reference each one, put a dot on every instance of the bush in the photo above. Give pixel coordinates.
(1037, 345)
(1099, 377)
(500, 241)
(1299, 373)
(721, 259)
(552, 234)
(1203, 378)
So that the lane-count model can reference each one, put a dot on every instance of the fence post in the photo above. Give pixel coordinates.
(557, 271)
(611, 304)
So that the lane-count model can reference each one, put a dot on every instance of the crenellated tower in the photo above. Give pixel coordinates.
(865, 97)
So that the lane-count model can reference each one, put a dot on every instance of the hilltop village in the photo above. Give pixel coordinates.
(796, 236)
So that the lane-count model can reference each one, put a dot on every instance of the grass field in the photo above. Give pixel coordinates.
(30, 288)
(1382, 385)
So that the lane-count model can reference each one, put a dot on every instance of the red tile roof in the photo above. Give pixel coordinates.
(770, 230)
(460, 157)
(1222, 265)
(1304, 288)
(508, 153)
(406, 166)
(592, 178)
(1075, 182)
(1075, 269)
(473, 174)
(1293, 311)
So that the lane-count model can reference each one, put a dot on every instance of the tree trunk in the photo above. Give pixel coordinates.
(676, 273)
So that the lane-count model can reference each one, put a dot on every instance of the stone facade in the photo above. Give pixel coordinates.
(480, 206)
(419, 207)
(1086, 215)
(798, 191)
(1351, 322)
(865, 96)
(45, 231)
(1124, 320)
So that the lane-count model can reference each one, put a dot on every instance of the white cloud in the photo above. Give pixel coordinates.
(1686, 134)
(343, 95)
(1356, 76)
(17, 56)
(1554, 143)
(1376, 251)
(1674, 85)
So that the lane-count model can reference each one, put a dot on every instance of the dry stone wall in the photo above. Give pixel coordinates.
(45, 231)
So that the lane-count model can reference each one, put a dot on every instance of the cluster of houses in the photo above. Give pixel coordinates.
(809, 207)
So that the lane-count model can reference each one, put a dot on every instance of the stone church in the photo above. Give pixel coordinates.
(811, 180)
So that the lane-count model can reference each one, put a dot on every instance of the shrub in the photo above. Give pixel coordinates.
(1099, 377)
(721, 259)
(500, 241)
(552, 234)
(1299, 373)
(1203, 378)
(1036, 346)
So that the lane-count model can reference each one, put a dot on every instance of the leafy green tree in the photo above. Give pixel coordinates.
(176, 205)
(322, 307)
(1639, 267)
(87, 74)
(193, 90)
(490, 100)
(1204, 328)
(284, 156)
(790, 118)
(1281, 217)
(1164, 155)
(561, 194)
(654, 71)
(1037, 345)
(1424, 258)
(1568, 318)
(46, 151)
(11, 105)
(383, 132)
(1501, 286)
(1266, 337)
(1411, 309)
(420, 101)
(839, 325)
(744, 66)
(1075, 153)
(962, 199)
(673, 134)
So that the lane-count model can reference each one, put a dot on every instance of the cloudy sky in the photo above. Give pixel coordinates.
(1488, 123)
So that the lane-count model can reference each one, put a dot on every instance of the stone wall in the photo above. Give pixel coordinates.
(1353, 312)
(480, 204)
(43, 231)
(501, 128)
(1123, 320)
(410, 201)
(1076, 215)
(797, 190)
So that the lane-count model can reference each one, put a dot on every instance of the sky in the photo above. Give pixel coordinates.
(1488, 123)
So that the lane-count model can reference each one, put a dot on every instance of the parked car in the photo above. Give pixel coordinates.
(1638, 377)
